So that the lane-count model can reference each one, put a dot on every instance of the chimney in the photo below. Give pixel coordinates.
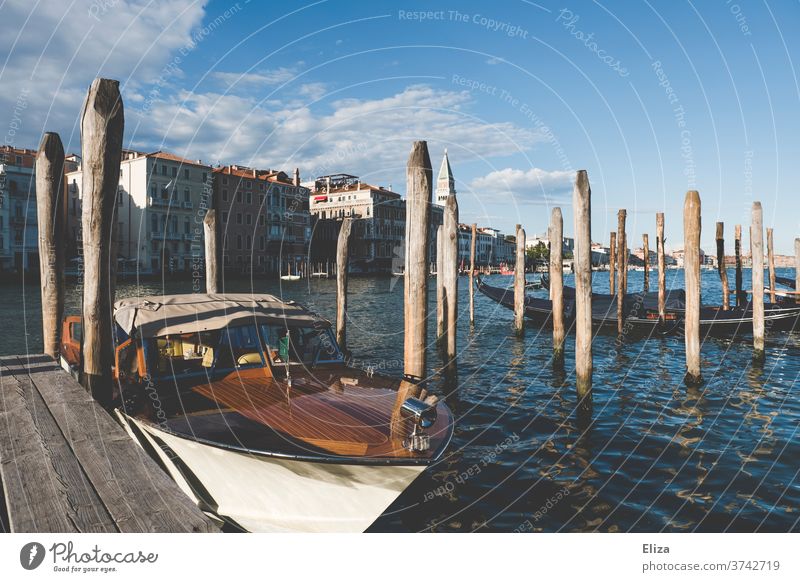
(297, 176)
(254, 174)
(328, 184)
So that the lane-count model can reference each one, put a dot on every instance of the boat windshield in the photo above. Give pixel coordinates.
(300, 345)
(205, 352)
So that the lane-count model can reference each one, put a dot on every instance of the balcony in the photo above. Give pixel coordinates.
(187, 204)
(159, 201)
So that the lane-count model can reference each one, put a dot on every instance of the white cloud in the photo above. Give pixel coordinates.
(55, 49)
(264, 78)
(353, 135)
(533, 185)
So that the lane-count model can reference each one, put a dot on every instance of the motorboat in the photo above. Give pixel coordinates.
(248, 403)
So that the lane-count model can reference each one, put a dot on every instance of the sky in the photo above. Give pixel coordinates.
(651, 98)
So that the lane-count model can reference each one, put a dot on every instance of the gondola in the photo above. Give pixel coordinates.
(639, 320)
(714, 320)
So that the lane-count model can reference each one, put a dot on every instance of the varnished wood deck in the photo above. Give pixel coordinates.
(67, 466)
(350, 418)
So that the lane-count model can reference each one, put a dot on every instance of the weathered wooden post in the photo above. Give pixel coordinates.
(741, 297)
(797, 268)
(646, 257)
(440, 309)
(450, 275)
(612, 263)
(771, 265)
(621, 251)
(557, 282)
(342, 251)
(723, 272)
(51, 210)
(519, 282)
(691, 273)
(625, 258)
(582, 213)
(472, 244)
(662, 268)
(757, 250)
(211, 251)
(419, 192)
(102, 127)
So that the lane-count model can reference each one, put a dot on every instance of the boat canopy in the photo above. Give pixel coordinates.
(160, 315)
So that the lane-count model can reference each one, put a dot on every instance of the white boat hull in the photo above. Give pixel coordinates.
(268, 494)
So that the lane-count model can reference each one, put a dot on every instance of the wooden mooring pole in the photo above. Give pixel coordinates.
(51, 210)
(797, 268)
(662, 267)
(646, 257)
(691, 273)
(419, 193)
(342, 251)
(473, 242)
(757, 250)
(440, 309)
(102, 127)
(519, 282)
(211, 250)
(723, 271)
(450, 276)
(612, 262)
(771, 265)
(557, 282)
(621, 251)
(582, 213)
(741, 297)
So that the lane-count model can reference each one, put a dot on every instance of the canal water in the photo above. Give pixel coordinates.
(651, 454)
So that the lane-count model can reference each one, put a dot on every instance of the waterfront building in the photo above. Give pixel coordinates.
(379, 219)
(263, 219)
(19, 245)
(161, 202)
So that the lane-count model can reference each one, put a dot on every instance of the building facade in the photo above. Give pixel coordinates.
(263, 220)
(19, 245)
(161, 202)
(379, 219)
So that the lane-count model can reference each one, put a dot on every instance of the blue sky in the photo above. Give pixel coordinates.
(651, 98)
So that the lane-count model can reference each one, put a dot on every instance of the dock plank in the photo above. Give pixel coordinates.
(35, 498)
(89, 513)
(138, 495)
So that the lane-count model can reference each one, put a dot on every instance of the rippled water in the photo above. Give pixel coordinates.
(651, 455)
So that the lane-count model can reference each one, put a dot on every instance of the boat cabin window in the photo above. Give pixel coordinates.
(300, 345)
(239, 347)
(187, 353)
(208, 351)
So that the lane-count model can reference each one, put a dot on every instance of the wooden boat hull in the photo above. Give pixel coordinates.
(260, 493)
(540, 311)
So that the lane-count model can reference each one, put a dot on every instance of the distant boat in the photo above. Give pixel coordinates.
(320, 275)
(290, 277)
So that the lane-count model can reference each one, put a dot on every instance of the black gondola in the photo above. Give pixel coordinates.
(641, 312)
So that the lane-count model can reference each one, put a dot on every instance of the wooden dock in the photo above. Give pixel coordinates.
(67, 466)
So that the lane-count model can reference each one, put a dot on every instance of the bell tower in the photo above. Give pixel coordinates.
(445, 185)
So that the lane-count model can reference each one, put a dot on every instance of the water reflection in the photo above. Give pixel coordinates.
(645, 453)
